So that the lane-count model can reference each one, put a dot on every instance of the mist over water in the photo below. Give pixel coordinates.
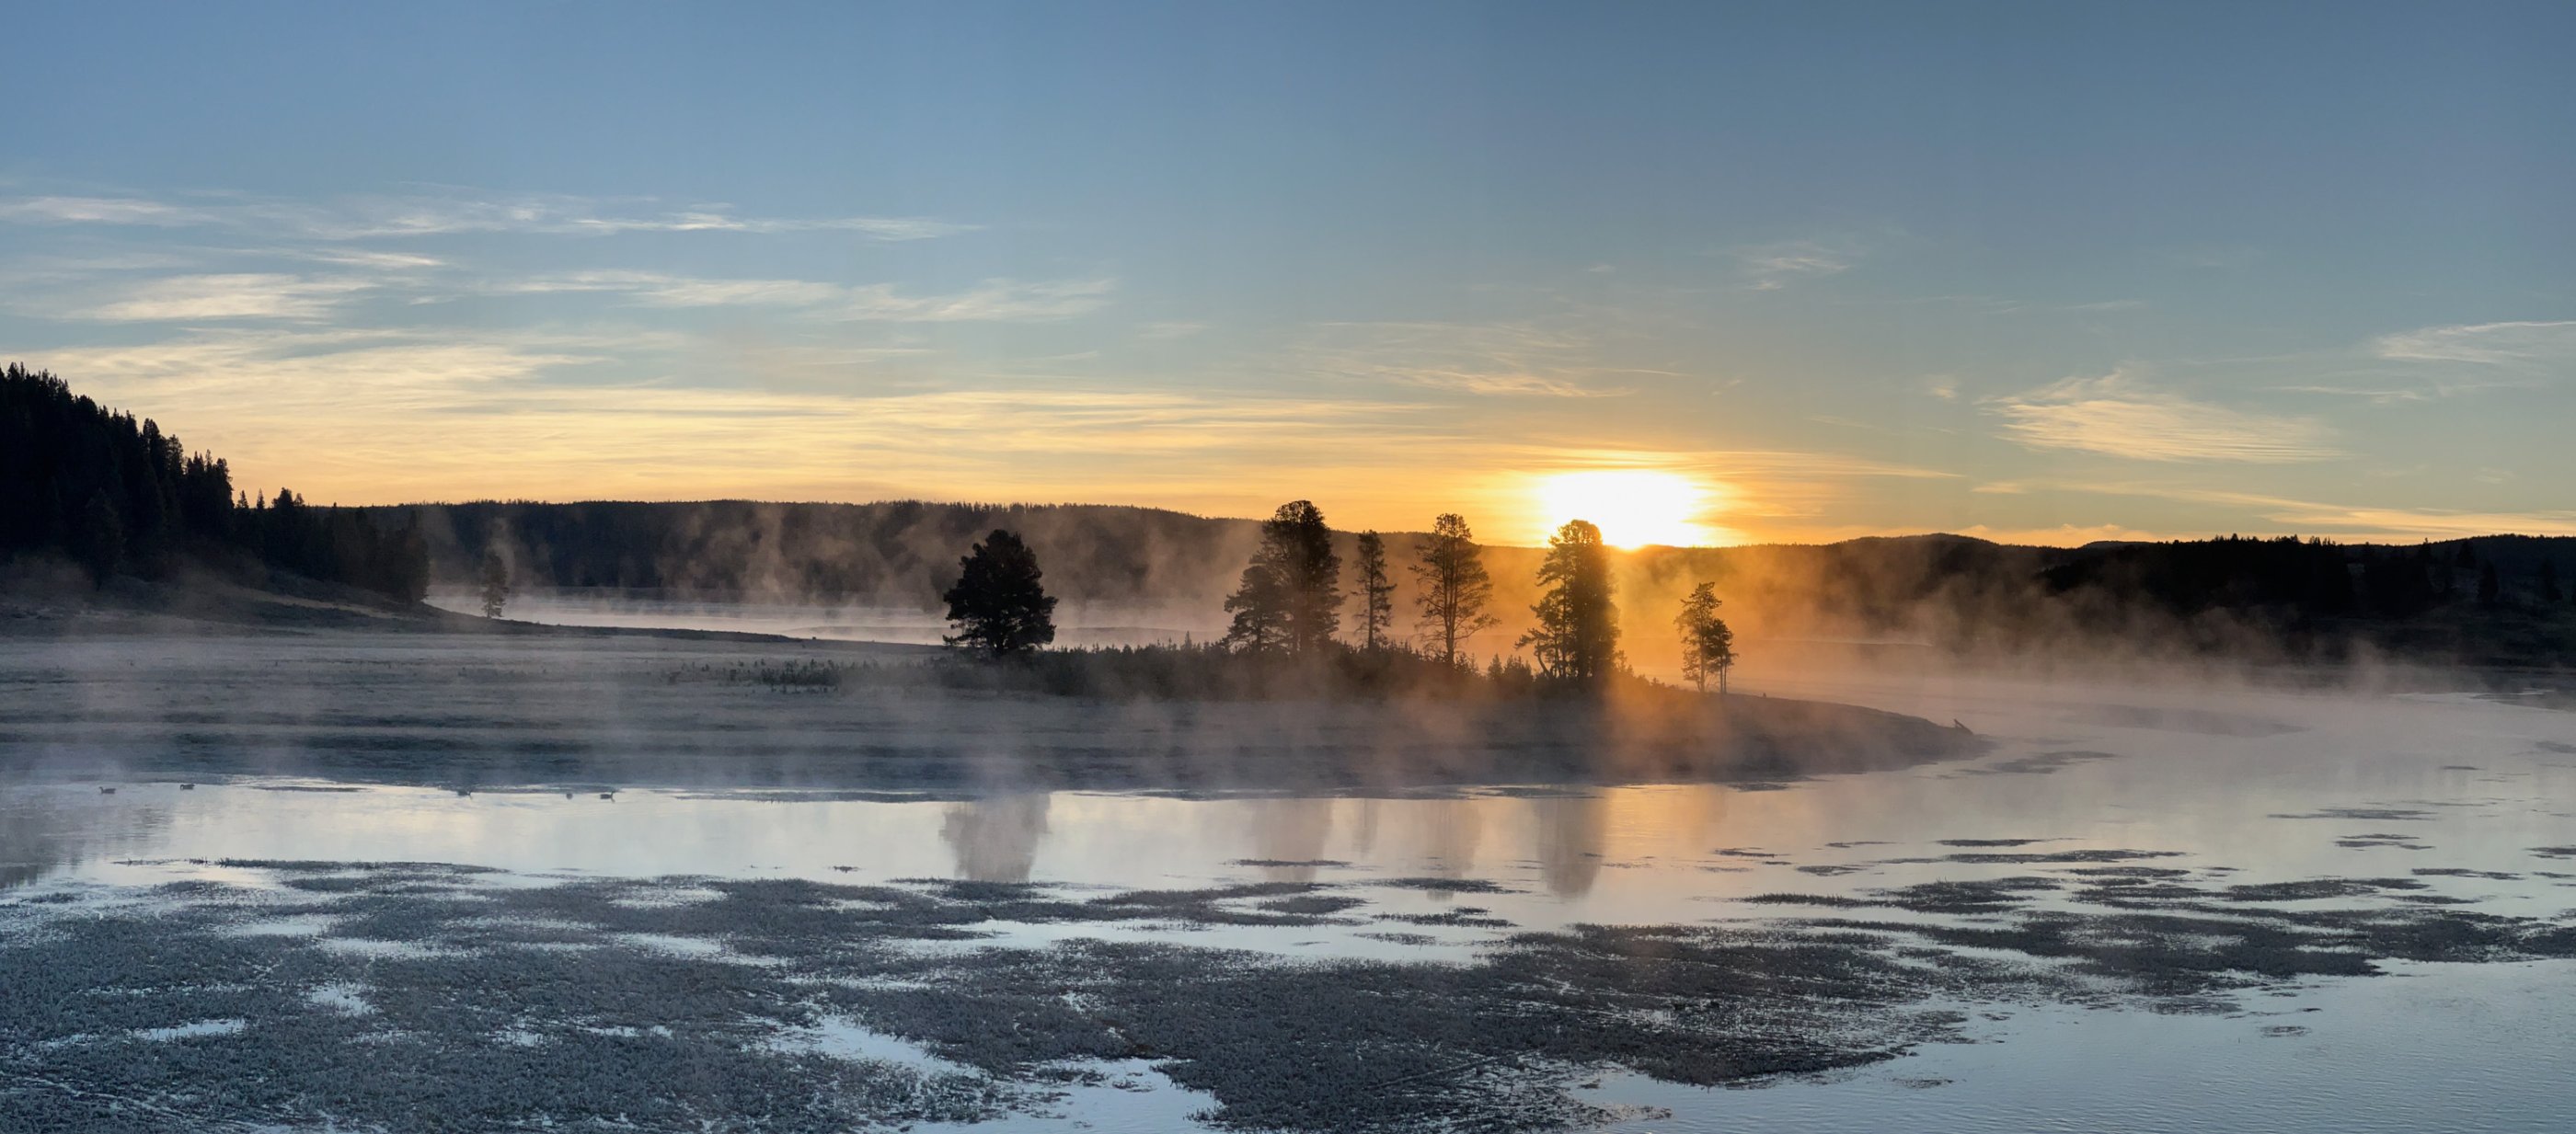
(2243, 793)
(2454, 792)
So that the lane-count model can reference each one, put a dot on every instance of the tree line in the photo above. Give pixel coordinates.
(120, 497)
(1289, 602)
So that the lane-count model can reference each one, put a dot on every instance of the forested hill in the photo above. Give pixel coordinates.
(120, 497)
(2490, 598)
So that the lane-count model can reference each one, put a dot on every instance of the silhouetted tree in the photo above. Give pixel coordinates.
(1707, 645)
(999, 605)
(1291, 594)
(1259, 605)
(1577, 636)
(496, 582)
(2549, 581)
(1377, 591)
(1455, 588)
(2490, 588)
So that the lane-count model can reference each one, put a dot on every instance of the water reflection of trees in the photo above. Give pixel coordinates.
(1451, 828)
(996, 838)
(1569, 834)
(1291, 829)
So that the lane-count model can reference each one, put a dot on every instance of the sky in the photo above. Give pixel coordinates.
(2044, 272)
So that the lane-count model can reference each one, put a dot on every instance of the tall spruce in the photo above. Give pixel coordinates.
(1376, 591)
(1000, 606)
(1290, 596)
(1455, 590)
(1577, 636)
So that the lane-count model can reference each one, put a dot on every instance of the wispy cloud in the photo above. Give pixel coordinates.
(2489, 344)
(2122, 415)
(227, 296)
(1489, 359)
(1772, 267)
(432, 214)
(101, 210)
(993, 300)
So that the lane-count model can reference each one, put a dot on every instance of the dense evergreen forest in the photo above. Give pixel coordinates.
(120, 497)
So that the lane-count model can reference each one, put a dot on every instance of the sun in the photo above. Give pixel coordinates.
(1632, 507)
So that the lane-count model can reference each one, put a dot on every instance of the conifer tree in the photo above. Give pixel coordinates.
(1290, 595)
(1455, 588)
(1577, 636)
(1000, 606)
(1708, 646)
(1376, 592)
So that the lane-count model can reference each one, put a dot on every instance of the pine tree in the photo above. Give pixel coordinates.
(1455, 588)
(1377, 591)
(1708, 646)
(1577, 636)
(1000, 606)
(1291, 594)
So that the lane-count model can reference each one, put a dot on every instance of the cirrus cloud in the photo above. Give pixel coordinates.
(2121, 415)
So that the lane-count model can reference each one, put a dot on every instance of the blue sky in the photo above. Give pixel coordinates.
(2037, 271)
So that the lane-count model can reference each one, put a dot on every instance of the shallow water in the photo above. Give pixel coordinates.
(2446, 798)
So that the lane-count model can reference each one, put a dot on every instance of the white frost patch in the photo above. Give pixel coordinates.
(669, 943)
(295, 925)
(371, 947)
(843, 1038)
(345, 998)
(193, 1030)
(668, 898)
